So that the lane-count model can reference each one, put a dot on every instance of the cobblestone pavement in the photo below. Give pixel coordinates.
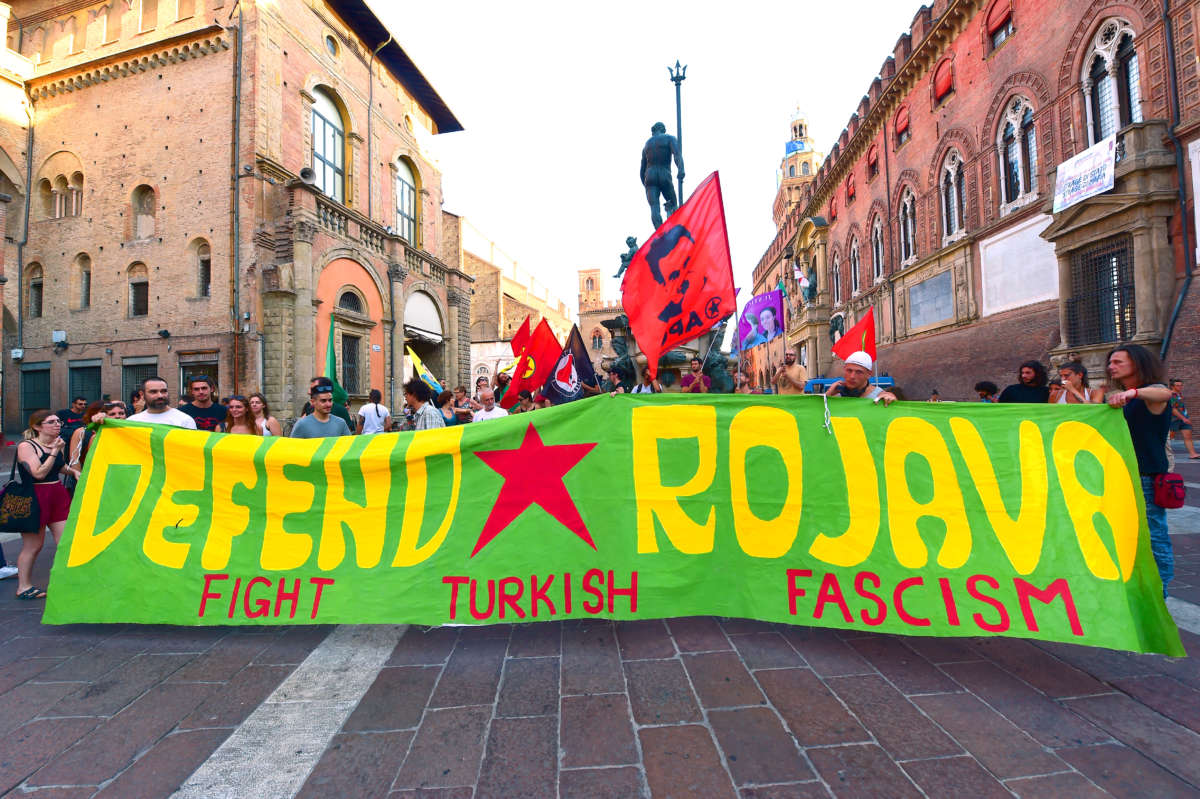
(695, 707)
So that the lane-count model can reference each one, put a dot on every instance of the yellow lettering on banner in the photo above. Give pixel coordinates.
(908, 435)
(763, 426)
(1022, 537)
(282, 550)
(233, 465)
(367, 523)
(862, 487)
(127, 446)
(1117, 503)
(443, 441)
(652, 423)
(183, 462)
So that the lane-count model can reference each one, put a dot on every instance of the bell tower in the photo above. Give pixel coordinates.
(591, 287)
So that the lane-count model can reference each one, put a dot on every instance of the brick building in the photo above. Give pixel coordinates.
(594, 309)
(504, 296)
(934, 207)
(209, 185)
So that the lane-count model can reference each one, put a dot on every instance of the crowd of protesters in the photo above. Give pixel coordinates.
(56, 443)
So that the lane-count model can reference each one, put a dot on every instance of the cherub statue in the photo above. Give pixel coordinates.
(627, 257)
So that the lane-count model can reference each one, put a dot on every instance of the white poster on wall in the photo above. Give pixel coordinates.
(1018, 267)
(1087, 174)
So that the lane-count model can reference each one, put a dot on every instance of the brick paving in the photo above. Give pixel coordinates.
(680, 707)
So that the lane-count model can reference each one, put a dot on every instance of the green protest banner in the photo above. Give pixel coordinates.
(926, 519)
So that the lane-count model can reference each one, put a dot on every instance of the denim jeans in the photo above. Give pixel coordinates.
(1160, 541)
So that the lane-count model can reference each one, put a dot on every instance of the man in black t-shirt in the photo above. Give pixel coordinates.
(1030, 386)
(209, 415)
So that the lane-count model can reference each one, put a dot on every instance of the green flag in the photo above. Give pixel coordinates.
(339, 394)
(782, 289)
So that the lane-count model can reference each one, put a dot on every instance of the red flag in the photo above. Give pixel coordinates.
(520, 339)
(859, 337)
(680, 283)
(534, 364)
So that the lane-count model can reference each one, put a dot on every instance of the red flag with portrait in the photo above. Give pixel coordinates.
(680, 283)
(859, 337)
(534, 364)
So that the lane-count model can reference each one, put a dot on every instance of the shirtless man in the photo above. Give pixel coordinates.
(660, 149)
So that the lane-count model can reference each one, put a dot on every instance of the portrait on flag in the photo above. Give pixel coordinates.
(680, 283)
(761, 320)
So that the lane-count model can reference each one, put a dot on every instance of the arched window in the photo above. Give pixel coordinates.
(328, 146)
(1017, 146)
(951, 191)
(75, 195)
(589, 285)
(835, 280)
(908, 226)
(877, 248)
(851, 191)
(139, 290)
(943, 80)
(142, 203)
(1111, 80)
(33, 302)
(597, 340)
(872, 162)
(406, 202)
(903, 132)
(61, 190)
(46, 196)
(83, 273)
(204, 269)
(999, 23)
(855, 263)
(791, 170)
(805, 169)
(833, 208)
(349, 301)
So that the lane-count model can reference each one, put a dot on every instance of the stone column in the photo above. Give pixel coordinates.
(458, 357)
(1064, 294)
(396, 276)
(1144, 267)
(305, 315)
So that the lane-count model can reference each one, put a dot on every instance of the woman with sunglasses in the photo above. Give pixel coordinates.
(42, 455)
(238, 417)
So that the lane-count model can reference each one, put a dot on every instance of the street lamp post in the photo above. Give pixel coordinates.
(678, 75)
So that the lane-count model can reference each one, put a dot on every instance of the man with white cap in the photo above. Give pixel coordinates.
(856, 378)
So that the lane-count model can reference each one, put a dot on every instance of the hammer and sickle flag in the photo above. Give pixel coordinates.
(859, 337)
(680, 283)
(533, 364)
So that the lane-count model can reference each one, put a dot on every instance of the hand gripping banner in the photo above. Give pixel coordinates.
(948, 519)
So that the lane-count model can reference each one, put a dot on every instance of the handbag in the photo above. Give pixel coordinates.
(1169, 490)
(19, 511)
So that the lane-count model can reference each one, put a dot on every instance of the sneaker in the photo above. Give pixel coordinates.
(7, 571)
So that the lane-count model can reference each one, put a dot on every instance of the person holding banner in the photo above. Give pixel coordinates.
(1136, 375)
(856, 381)
(43, 454)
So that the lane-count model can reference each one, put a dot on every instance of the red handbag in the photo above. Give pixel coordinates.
(1169, 490)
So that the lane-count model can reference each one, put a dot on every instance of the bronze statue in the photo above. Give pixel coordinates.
(810, 291)
(837, 327)
(627, 257)
(623, 364)
(660, 148)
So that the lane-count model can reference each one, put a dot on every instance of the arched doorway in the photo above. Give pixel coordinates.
(425, 334)
(350, 296)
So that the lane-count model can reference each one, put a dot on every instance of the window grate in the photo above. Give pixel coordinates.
(132, 376)
(350, 370)
(1101, 306)
(84, 381)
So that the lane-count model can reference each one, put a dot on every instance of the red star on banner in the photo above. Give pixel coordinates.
(533, 474)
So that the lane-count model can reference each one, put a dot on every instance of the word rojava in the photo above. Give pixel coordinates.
(224, 488)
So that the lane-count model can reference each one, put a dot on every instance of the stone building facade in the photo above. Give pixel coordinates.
(211, 189)
(594, 309)
(505, 295)
(934, 207)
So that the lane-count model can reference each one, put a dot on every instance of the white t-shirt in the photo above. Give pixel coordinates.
(171, 416)
(373, 415)
(495, 413)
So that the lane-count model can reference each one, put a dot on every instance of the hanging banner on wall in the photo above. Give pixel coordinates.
(1086, 174)
(944, 520)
